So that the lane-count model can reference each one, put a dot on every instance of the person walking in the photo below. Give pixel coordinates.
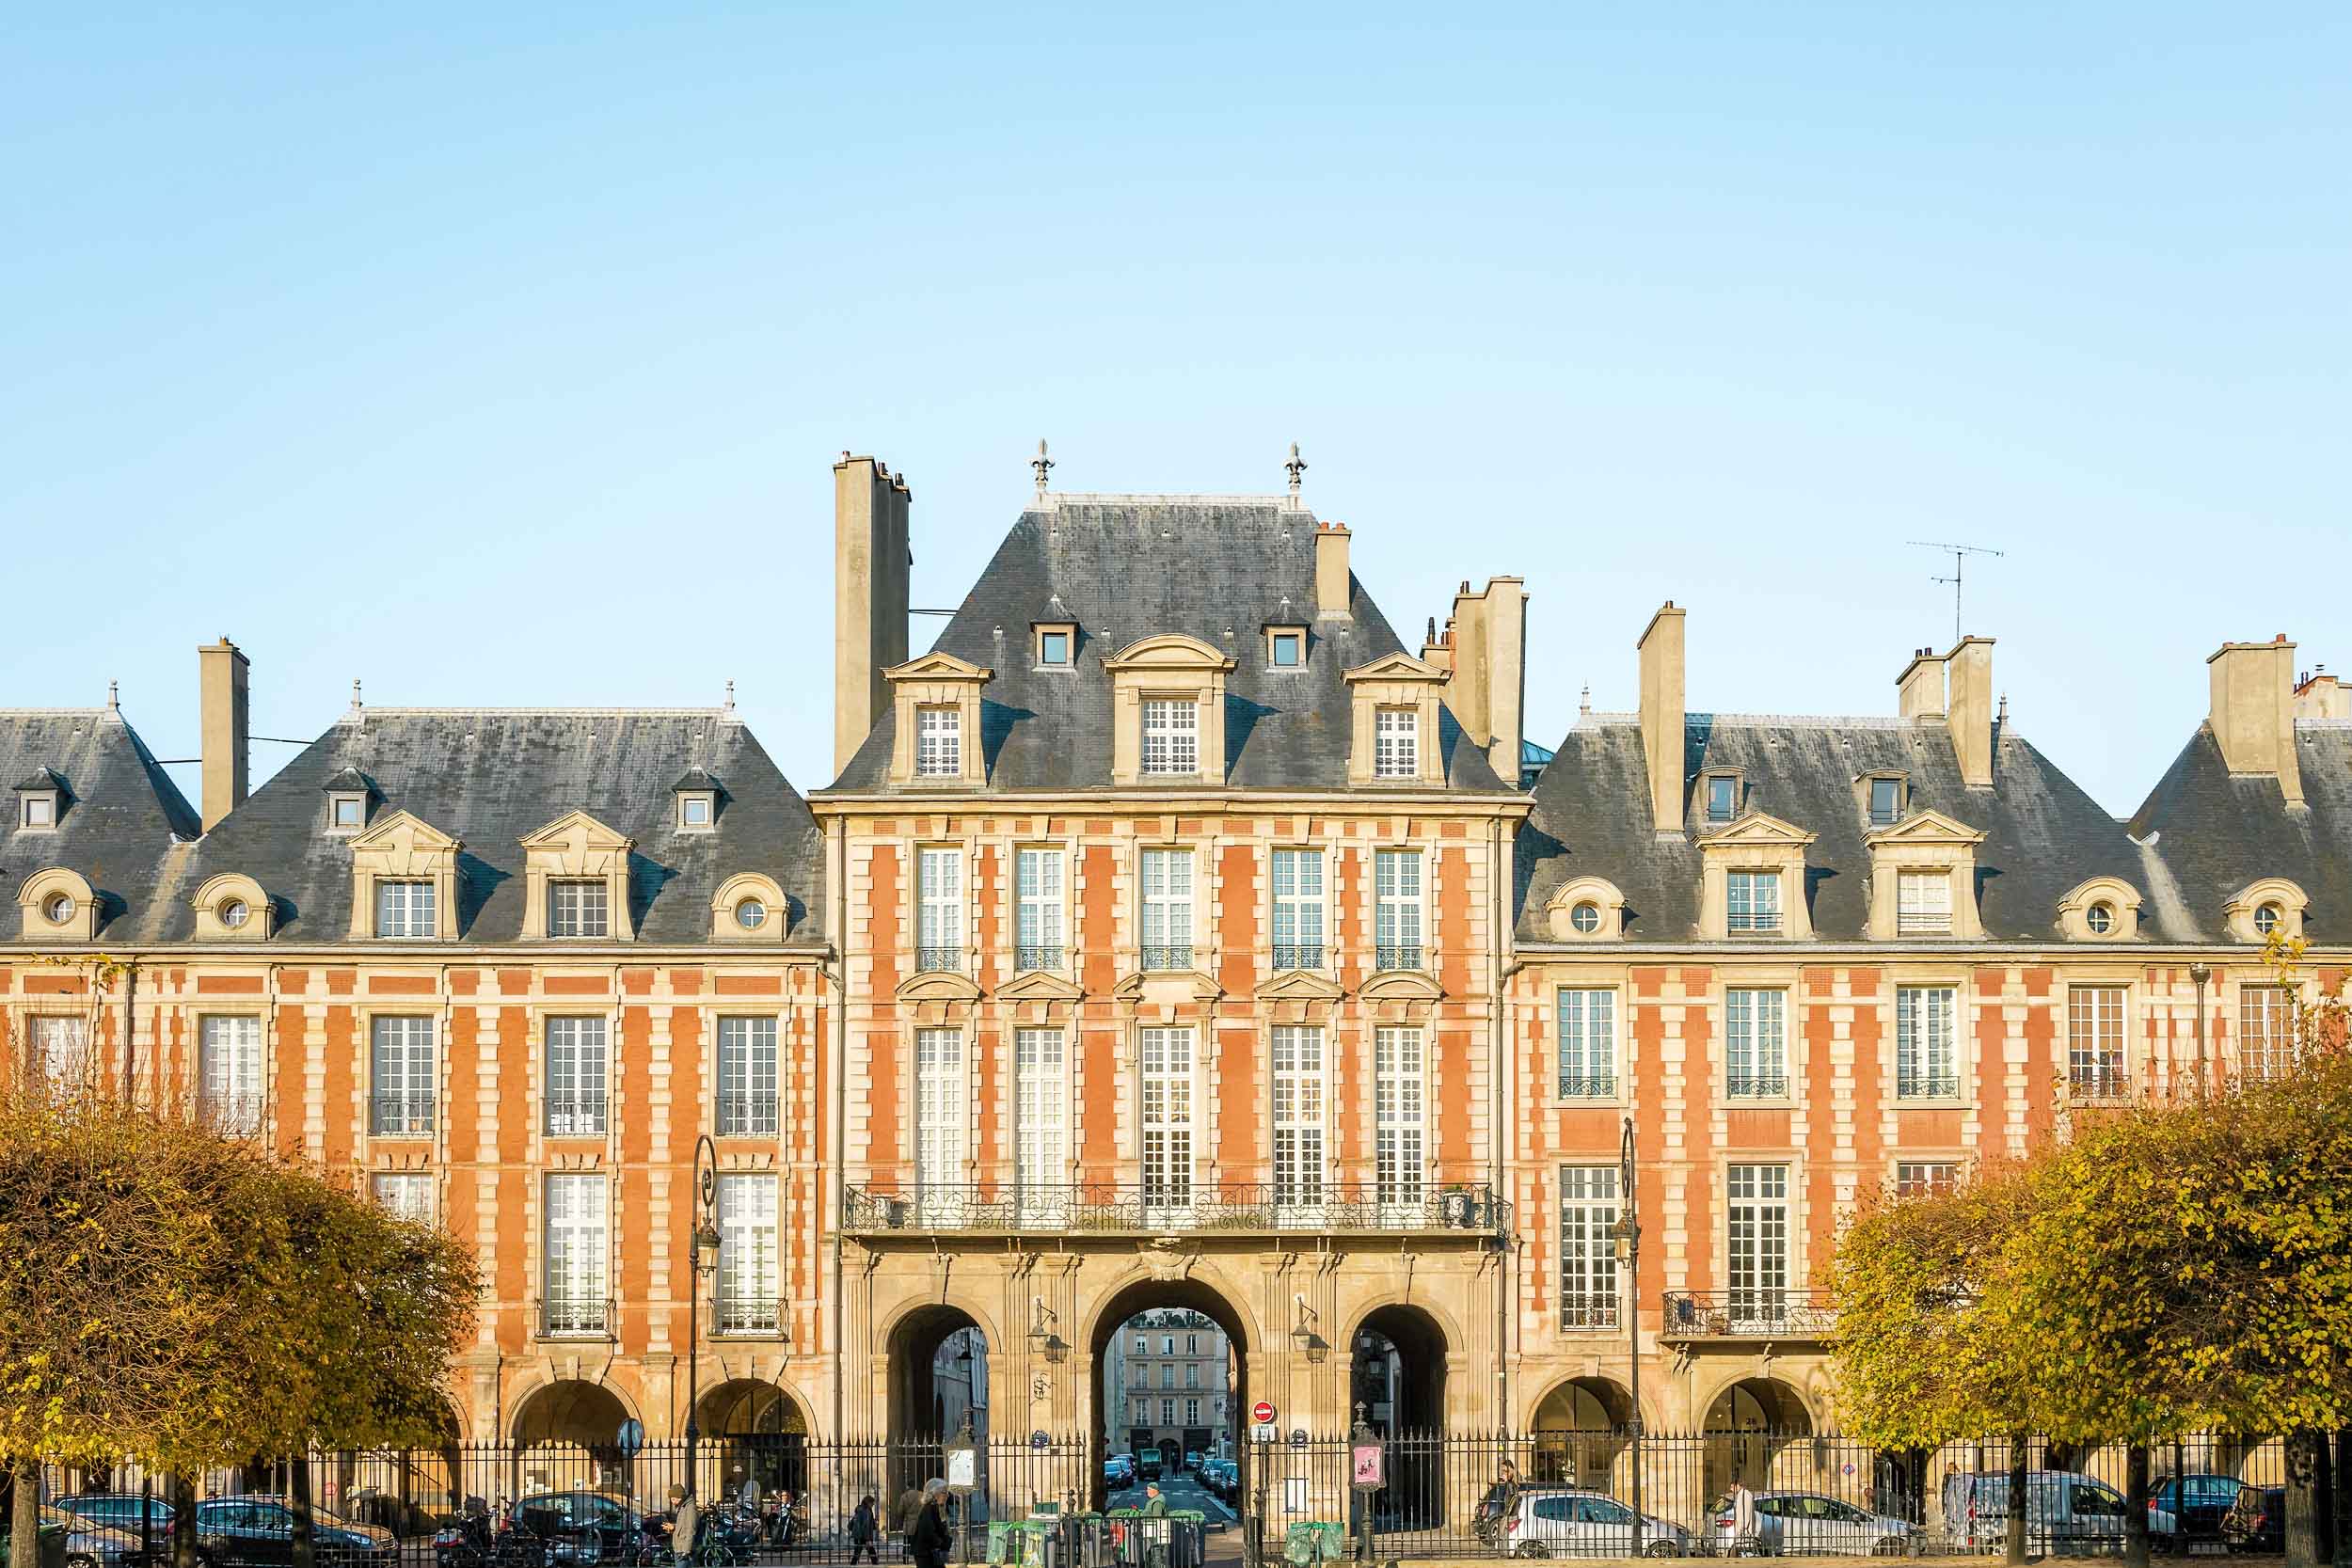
(1501, 1501)
(1154, 1535)
(685, 1525)
(1744, 1532)
(865, 1531)
(928, 1542)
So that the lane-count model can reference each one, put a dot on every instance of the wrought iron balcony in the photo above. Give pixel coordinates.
(567, 1318)
(575, 1116)
(939, 960)
(1923, 1086)
(1589, 1088)
(1298, 955)
(747, 1114)
(1032, 956)
(1590, 1312)
(1167, 956)
(232, 1116)
(1749, 1315)
(1757, 1085)
(746, 1317)
(1114, 1209)
(2098, 1080)
(401, 1116)
(1389, 956)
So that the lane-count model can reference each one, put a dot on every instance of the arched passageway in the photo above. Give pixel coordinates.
(1173, 1307)
(1398, 1383)
(759, 1434)
(1580, 1432)
(1759, 1430)
(567, 1438)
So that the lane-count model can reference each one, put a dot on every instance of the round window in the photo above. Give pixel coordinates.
(751, 914)
(234, 912)
(1585, 917)
(57, 909)
(2099, 918)
(2270, 918)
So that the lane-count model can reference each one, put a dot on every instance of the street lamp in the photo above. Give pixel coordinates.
(1628, 1232)
(2198, 976)
(703, 1244)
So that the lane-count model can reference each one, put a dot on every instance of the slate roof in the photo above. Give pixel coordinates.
(1124, 568)
(491, 776)
(2215, 835)
(122, 811)
(1592, 816)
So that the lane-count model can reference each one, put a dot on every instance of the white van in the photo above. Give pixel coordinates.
(2064, 1512)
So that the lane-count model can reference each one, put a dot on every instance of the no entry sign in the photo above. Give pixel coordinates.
(1262, 1412)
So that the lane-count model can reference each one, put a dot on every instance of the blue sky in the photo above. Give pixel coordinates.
(498, 355)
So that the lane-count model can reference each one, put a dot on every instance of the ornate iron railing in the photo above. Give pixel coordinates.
(747, 1114)
(750, 1317)
(1167, 956)
(1114, 1208)
(1757, 1085)
(401, 1116)
(1589, 1088)
(1298, 955)
(1389, 956)
(1749, 1315)
(1033, 956)
(575, 1116)
(569, 1317)
(939, 960)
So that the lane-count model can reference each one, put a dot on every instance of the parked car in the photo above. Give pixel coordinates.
(568, 1529)
(121, 1510)
(88, 1543)
(2189, 1509)
(257, 1532)
(1224, 1478)
(2257, 1520)
(1811, 1523)
(2065, 1512)
(1148, 1464)
(1586, 1523)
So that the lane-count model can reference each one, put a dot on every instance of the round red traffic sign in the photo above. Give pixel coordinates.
(1263, 1412)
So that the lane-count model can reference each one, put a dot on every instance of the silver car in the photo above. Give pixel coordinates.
(89, 1545)
(1811, 1523)
(1586, 1523)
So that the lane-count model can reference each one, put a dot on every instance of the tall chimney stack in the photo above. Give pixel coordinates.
(2252, 714)
(870, 566)
(1488, 691)
(1660, 647)
(1331, 570)
(1969, 711)
(224, 728)
(1919, 689)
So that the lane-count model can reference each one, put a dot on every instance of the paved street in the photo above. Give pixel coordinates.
(1183, 1491)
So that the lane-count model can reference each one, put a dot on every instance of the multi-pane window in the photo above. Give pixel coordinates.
(1041, 1133)
(1752, 900)
(1886, 801)
(938, 741)
(1167, 1412)
(1298, 1116)
(1927, 1042)
(579, 907)
(1923, 903)
(1396, 743)
(747, 1254)
(747, 1077)
(1588, 1250)
(400, 1077)
(408, 1193)
(229, 1051)
(1396, 914)
(1756, 1043)
(1922, 1178)
(1192, 1376)
(941, 1116)
(1192, 1413)
(1758, 1218)
(2094, 1040)
(1038, 878)
(1722, 798)
(1400, 1131)
(1588, 1043)
(1298, 909)
(939, 915)
(1167, 908)
(576, 1254)
(2266, 1030)
(1171, 735)
(576, 1077)
(404, 910)
(1167, 1095)
(1168, 1375)
(60, 1044)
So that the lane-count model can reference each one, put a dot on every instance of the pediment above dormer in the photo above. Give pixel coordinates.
(402, 836)
(1925, 828)
(1758, 829)
(1395, 667)
(1168, 651)
(938, 667)
(1038, 985)
(937, 985)
(579, 839)
(1298, 984)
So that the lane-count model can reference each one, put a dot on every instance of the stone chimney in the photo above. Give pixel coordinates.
(2252, 716)
(1969, 709)
(1660, 647)
(224, 729)
(1437, 651)
(1331, 570)
(870, 566)
(1919, 689)
(1488, 691)
(2321, 695)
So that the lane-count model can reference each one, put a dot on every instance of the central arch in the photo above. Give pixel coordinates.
(760, 1434)
(1397, 1357)
(938, 1359)
(1142, 1295)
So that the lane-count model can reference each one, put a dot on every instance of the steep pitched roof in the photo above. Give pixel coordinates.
(1123, 568)
(2043, 837)
(122, 813)
(491, 777)
(2216, 833)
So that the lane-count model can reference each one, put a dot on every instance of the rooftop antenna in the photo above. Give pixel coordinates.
(1960, 556)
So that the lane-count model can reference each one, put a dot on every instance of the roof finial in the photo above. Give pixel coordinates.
(1584, 702)
(355, 694)
(1295, 467)
(2003, 721)
(113, 697)
(1041, 464)
(730, 697)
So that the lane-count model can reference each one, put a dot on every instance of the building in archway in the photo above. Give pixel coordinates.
(1166, 1376)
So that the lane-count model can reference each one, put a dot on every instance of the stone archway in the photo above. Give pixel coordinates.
(1757, 1431)
(1580, 1432)
(758, 1434)
(567, 1438)
(1108, 1434)
(1397, 1371)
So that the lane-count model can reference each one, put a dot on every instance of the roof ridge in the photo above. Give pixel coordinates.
(63, 713)
(1052, 499)
(360, 716)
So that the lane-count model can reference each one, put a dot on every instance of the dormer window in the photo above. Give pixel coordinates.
(1286, 647)
(1393, 732)
(936, 708)
(40, 811)
(40, 801)
(694, 811)
(697, 795)
(1171, 737)
(2272, 908)
(1723, 797)
(347, 795)
(1396, 743)
(1884, 799)
(1753, 880)
(1057, 644)
(1923, 879)
(938, 741)
(1751, 901)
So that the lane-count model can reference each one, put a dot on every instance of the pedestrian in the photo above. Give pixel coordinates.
(1501, 1501)
(928, 1542)
(685, 1524)
(864, 1527)
(1155, 1536)
(1743, 1534)
(746, 1490)
(902, 1514)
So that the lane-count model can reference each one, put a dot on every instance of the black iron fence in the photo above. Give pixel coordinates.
(774, 1498)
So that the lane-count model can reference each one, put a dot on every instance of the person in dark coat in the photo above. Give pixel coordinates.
(866, 1531)
(930, 1540)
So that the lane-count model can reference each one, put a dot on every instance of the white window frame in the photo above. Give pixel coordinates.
(1192, 1413)
(940, 926)
(229, 1058)
(1752, 900)
(749, 1283)
(938, 740)
(1297, 878)
(1396, 743)
(576, 1051)
(37, 811)
(580, 909)
(1760, 1225)
(941, 1126)
(1923, 901)
(1400, 1122)
(1586, 1026)
(1170, 744)
(1039, 878)
(1045, 636)
(575, 1271)
(406, 1194)
(1165, 1058)
(1277, 636)
(2269, 1039)
(1588, 1248)
(1927, 1042)
(750, 1063)
(1040, 1169)
(1756, 1042)
(60, 1043)
(404, 1075)
(1298, 1090)
(1923, 1178)
(2098, 1040)
(1166, 878)
(1399, 884)
(406, 908)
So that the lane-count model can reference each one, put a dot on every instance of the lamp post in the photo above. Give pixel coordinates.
(703, 1256)
(1629, 1238)
(2198, 976)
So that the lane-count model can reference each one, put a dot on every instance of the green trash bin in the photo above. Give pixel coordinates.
(1032, 1542)
(52, 1543)
(999, 1542)
(1314, 1541)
